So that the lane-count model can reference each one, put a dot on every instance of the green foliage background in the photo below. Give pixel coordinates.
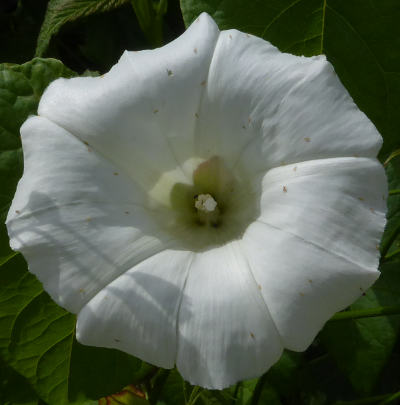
(356, 357)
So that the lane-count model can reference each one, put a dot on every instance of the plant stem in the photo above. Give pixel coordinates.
(385, 247)
(391, 156)
(194, 395)
(236, 393)
(364, 401)
(394, 192)
(258, 389)
(391, 255)
(159, 382)
(5, 259)
(366, 313)
(390, 399)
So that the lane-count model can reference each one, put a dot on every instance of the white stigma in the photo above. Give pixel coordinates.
(205, 203)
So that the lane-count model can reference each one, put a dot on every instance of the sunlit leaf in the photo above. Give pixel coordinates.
(20, 89)
(14, 389)
(59, 12)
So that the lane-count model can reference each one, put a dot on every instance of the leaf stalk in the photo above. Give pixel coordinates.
(366, 313)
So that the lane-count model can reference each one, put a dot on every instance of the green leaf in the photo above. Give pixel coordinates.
(257, 392)
(150, 17)
(362, 347)
(292, 25)
(35, 334)
(284, 372)
(359, 37)
(96, 372)
(390, 241)
(246, 391)
(14, 389)
(59, 12)
(169, 389)
(20, 89)
(277, 381)
(268, 396)
(19, 30)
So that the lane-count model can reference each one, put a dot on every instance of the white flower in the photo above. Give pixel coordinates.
(205, 204)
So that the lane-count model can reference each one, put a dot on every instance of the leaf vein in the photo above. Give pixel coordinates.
(380, 68)
(279, 15)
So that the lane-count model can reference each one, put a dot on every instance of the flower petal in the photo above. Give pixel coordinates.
(143, 110)
(77, 221)
(137, 312)
(314, 248)
(225, 331)
(338, 203)
(265, 107)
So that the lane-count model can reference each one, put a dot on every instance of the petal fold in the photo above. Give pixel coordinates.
(225, 332)
(263, 108)
(79, 221)
(314, 249)
(137, 312)
(143, 110)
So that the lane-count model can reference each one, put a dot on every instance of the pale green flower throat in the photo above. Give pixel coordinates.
(213, 206)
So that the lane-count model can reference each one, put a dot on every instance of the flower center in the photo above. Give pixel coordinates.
(207, 209)
(205, 203)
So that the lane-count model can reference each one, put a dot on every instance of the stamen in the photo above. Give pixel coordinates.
(205, 203)
(207, 210)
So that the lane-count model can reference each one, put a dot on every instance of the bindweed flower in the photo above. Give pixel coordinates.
(206, 204)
